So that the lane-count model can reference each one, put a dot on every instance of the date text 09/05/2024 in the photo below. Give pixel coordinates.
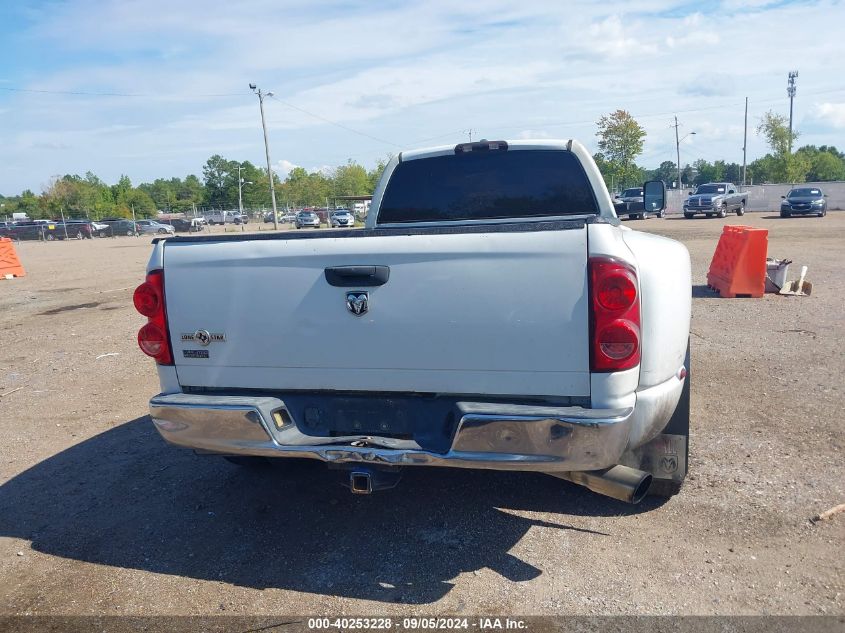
(417, 623)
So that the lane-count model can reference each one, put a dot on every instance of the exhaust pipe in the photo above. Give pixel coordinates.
(619, 482)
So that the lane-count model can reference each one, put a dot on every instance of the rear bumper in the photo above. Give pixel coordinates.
(489, 435)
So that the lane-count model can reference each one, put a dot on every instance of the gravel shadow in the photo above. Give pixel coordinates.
(124, 498)
(703, 291)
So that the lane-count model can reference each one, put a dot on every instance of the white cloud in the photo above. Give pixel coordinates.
(745, 5)
(616, 39)
(283, 168)
(830, 113)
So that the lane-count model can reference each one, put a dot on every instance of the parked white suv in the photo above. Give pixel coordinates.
(225, 217)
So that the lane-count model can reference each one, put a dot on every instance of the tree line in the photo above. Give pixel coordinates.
(88, 196)
(620, 142)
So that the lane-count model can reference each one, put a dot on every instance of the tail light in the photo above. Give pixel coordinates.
(153, 338)
(614, 315)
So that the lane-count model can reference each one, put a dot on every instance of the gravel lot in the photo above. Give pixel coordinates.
(99, 516)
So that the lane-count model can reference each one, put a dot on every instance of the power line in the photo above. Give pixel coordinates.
(335, 123)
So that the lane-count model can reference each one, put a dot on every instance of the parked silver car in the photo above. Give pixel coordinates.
(151, 226)
(307, 218)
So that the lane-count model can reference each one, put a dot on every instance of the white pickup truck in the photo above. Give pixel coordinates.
(493, 314)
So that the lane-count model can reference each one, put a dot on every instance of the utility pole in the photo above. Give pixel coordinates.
(744, 143)
(678, 152)
(790, 90)
(678, 147)
(240, 193)
(261, 96)
(470, 134)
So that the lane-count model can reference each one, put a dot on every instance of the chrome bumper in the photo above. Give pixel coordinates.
(489, 436)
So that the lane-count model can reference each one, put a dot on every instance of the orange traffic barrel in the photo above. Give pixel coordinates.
(738, 267)
(10, 265)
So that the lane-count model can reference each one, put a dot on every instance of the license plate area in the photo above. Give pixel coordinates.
(428, 420)
(345, 416)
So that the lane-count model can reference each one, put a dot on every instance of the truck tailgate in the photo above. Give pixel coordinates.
(486, 311)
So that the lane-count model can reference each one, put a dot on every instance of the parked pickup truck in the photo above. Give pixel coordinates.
(715, 198)
(493, 314)
(630, 203)
(225, 217)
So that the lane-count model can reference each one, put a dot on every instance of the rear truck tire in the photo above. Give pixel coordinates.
(688, 216)
(660, 214)
(247, 461)
(784, 214)
(741, 209)
(50, 237)
(723, 211)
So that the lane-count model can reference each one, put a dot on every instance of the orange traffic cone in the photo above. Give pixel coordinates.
(10, 265)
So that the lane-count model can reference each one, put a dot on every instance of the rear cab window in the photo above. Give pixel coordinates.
(487, 185)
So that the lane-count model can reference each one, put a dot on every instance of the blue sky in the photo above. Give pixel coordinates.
(166, 81)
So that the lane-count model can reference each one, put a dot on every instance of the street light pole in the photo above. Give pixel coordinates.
(261, 96)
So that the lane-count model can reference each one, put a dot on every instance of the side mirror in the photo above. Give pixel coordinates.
(784, 197)
(654, 195)
(689, 193)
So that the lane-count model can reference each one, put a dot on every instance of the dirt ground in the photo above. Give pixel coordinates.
(99, 516)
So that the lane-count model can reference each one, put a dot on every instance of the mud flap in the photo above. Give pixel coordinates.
(666, 457)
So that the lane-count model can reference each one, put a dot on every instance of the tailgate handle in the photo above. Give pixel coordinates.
(352, 276)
